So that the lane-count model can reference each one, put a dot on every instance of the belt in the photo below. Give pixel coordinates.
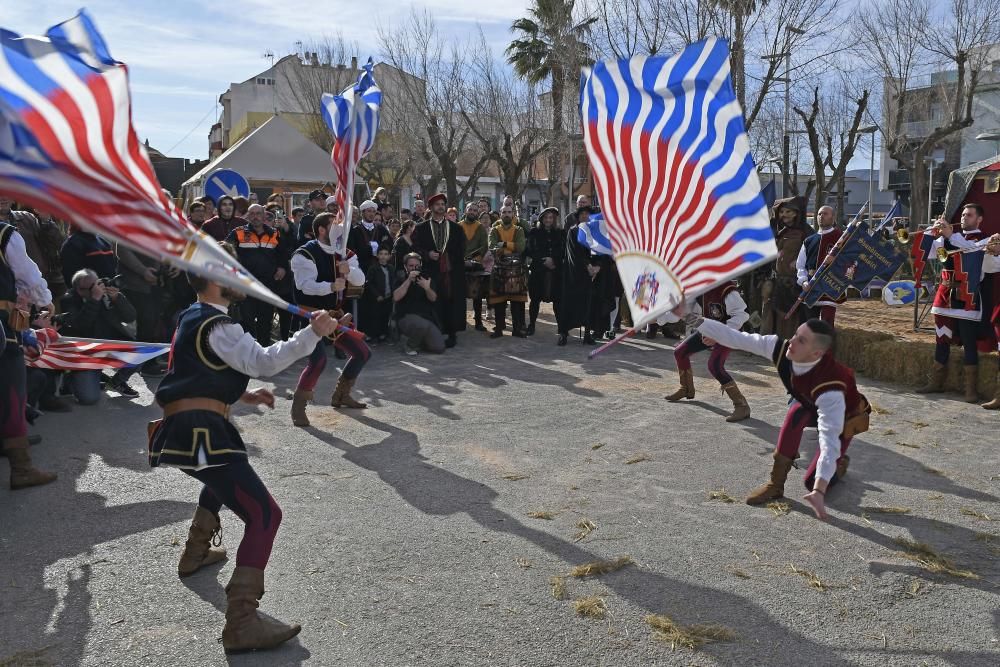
(7, 305)
(188, 404)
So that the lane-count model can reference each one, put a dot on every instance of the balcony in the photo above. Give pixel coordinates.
(899, 179)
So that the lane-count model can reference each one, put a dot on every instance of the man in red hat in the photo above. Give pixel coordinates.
(441, 244)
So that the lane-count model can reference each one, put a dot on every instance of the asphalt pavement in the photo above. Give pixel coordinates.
(407, 538)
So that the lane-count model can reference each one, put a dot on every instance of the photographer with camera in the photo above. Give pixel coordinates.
(96, 308)
(416, 318)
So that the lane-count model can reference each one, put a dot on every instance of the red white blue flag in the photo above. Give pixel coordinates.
(673, 171)
(352, 118)
(67, 146)
(87, 354)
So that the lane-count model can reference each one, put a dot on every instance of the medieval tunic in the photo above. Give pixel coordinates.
(824, 393)
(475, 240)
(814, 250)
(722, 303)
(512, 237)
(213, 357)
(447, 272)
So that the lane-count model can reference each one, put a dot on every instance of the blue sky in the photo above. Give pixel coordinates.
(182, 54)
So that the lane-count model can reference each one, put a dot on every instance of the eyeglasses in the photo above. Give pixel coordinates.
(86, 288)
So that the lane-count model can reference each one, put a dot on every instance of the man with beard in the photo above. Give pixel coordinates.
(578, 306)
(546, 248)
(790, 232)
(815, 250)
(508, 282)
(476, 245)
(225, 222)
(420, 210)
(366, 237)
(211, 362)
(321, 275)
(441, 245)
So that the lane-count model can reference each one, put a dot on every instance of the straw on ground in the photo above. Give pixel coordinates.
(779, 507)
(720, 494)
(643, 456)
(931, 560)
(691, 637)
(590, 607)
(599, 567)
(542, 514)
(558, 587)
(586, 527)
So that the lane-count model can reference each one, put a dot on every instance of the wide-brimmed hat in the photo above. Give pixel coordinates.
(434, 198)
(550, 209)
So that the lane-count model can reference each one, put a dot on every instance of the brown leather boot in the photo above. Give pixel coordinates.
(842, 464)
(995, 403)
(22, 473)
(245, 629)
(776, 487)
(342, 395)
(935, 380)
(687, 387)
(300, 398)
(971, 380)
(198, 550)
(741, 409)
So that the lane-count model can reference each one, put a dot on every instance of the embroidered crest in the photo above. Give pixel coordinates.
(645, 290)
(715, 311)
(849, 274)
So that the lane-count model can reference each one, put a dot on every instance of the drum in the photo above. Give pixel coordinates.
(509, 277)
(475, 280)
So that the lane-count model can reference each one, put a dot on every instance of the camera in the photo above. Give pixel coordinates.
(115, 281)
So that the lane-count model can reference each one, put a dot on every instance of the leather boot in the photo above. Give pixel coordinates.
(741, 409)
(842, 464)
(775, 488)
(342, 395)
(22, 473)
(198, 550)
(935, 380)
(245, 629)
(995, 403)
(971, 379)
(300, 399)
(686, 389)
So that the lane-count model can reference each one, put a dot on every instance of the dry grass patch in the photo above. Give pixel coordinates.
(811, 577)
(590, 607)
(779, 507)
(599, 567)
(887, 510)
(515, 476)
(931, 560)
(542, 514)
(558, 587)
(586, 527)
(879, 409)
(597, 446)
(720, 494)
(638, 458)
(690, 637)
(968, 511)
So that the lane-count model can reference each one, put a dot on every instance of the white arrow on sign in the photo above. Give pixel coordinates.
(230, 191)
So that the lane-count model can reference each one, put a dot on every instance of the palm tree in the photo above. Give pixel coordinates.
(551, 45)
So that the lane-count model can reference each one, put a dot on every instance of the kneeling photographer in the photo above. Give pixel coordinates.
(414, 297)
(96, 308)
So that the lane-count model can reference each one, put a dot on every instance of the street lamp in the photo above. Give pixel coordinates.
(871, 129)
(993, 136)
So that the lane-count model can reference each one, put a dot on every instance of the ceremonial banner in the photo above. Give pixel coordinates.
(594, 235)
(864, 256)
(673, 171)
(352, 118)
(83, 354)
(67, 146)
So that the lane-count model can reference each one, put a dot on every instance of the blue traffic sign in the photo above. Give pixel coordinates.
(226, 182)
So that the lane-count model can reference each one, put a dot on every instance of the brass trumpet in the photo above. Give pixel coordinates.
(900, 234)
(943, 253)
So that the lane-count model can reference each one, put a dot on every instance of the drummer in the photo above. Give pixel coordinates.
(475, 248)
(508, 281)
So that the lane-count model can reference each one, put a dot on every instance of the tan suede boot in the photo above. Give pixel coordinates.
(300, 399)
(775, 488)
(741, 409)
(971, 380)
(198, 550)
(245, 629)
(687, 387)
(995, 403)
(22, 473)
(342, 395)
(935, 380)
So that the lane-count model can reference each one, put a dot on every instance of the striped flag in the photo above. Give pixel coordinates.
(88, 354)
(673, 170)
(594, 235)
(67, 146)
(352, 118)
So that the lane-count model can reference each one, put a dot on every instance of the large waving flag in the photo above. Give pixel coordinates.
(86, 354)
(67, 146)
(672, 165)
(352, 118)
(594, 235)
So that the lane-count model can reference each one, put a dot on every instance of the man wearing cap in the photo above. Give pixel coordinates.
(790, 231)
(441, 244)
(317, 202)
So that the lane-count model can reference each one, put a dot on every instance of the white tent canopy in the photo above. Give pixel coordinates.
(275, 151)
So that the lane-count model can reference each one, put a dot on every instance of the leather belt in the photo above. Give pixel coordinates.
(7, 305)
(189, 404)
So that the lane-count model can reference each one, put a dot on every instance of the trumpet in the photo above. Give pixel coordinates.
(992, 243)
(900, 234)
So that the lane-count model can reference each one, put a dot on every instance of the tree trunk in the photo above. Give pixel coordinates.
(918, 192)
(556, 157)
(737, 57)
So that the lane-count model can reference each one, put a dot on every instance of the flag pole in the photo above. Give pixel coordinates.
(610, 343)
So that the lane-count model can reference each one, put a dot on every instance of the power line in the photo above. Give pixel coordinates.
(197, 125)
